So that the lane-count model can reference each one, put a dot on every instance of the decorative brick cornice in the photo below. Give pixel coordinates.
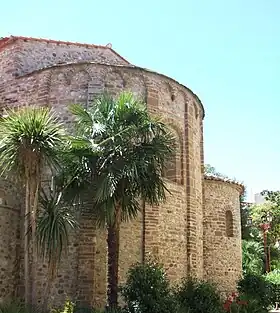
(239, 186)
(118, 66)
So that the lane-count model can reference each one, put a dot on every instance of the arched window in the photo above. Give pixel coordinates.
(229, 224)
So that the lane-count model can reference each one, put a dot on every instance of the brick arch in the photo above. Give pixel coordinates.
(137, 85)
(176, 171)
(170, 89)
(80, 78)
(61, 77)
(121, 74)
(69, 72)
(113, 82)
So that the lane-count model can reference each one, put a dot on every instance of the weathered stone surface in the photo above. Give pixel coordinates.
(222, 246)
(177, 232)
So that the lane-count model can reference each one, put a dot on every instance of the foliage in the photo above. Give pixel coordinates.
(29, 136)
(240, 304)
(273, 207)
(273, 278)
(147, 290)
(211, 170)
(12, 307)
(198, 297)
(252, 257)
(30, 139)
(55, 221)
(246, 230)
(256, 288)
(68, 308)
(132, 149)
(15, 306)
(121, 151)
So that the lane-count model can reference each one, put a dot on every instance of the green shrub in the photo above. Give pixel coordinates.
(256, 288)
(147, 290)
(273, 278)
(242, 304)
(198, 297)
(15, 306)
(67, 308)
(12, 307)
(252, 307)
(252, 257)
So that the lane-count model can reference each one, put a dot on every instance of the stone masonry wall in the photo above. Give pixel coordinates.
(222, 234)
(194, 189)
(172, 231)
(10, 211)
(34, 55)
(197, 231)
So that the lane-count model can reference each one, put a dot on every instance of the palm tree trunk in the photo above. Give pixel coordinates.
(47, 293)
(34, 205)
(26, 244)
(113, 238)
(143, 230)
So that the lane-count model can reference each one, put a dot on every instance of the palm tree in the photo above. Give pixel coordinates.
(30, 139)
(126, 151)
(54, 224)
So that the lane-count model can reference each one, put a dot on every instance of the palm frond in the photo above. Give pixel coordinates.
(28, 135)
(131, 150)
(54, 226)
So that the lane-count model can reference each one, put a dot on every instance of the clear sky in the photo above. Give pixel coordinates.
(226, 51)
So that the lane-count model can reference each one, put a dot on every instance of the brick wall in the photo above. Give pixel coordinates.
(222, 238)
(174, 231)
(10, 211)
(167, 227)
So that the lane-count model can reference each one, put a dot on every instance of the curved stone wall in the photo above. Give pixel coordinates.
(222, 233)
(173, 232)
(9, 241)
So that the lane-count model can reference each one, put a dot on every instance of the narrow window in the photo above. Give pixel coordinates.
(170, 171)
(229, 224)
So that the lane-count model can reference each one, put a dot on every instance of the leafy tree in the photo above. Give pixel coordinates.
(121, 152)
(259, 212)
(211, 170)
(29, 141)
(252, 257)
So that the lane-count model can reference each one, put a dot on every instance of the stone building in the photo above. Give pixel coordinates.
(197, 231)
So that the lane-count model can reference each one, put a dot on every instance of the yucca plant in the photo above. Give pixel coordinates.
(54, 225)
(30, 139)
(126, 151)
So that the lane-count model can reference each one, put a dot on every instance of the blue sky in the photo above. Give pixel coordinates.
(227, 52)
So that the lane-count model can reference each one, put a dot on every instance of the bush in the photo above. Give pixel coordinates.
(15, 306)
(12, 307)
(241, 304)
(147, 290)
(256, 288)
(273, 278)
(198, 297)
(252, 257)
